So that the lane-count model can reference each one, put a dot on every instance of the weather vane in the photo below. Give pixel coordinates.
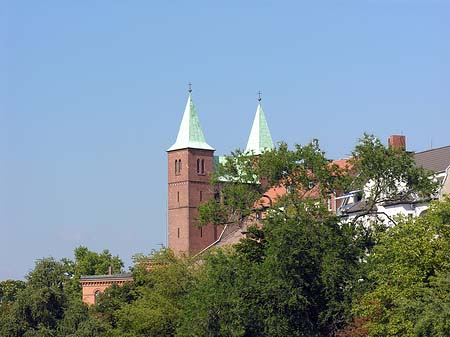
(259, 96)
(190, 87)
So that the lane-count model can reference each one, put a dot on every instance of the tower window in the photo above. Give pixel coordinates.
(178, 196)
(201, 195)
(203, 166)
(177, 166)
(178, 230)
(201, 232)
(198, 166)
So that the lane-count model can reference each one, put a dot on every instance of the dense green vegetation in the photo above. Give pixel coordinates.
(305, 272)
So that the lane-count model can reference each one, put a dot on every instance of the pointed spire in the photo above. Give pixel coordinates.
(260, 138)
(190, 134)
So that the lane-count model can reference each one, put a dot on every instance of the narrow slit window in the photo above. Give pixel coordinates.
(201, 232)
(176, 166)
(178, 232)
(178, 196)
(179, 166)
(201, 195)
(198, 165)
(203, 166)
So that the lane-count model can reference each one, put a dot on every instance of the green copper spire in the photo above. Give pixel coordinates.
(260, 138)
(190, 134)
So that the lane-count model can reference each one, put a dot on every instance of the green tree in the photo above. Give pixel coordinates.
(294, 277)
(49, 302)
(40, 305)
(9, 290)
(409, 277)
(153, 306)
(387, 174)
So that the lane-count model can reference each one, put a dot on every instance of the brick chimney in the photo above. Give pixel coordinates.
(397, 142)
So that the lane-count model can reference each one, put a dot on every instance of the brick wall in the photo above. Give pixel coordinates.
(188, 186)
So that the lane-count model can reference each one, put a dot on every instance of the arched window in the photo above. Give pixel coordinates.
(177, 166)
(96, 296)
(203, 166)
(198, 166)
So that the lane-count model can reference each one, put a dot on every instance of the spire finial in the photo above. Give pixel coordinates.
(259, 96)
(190, 87)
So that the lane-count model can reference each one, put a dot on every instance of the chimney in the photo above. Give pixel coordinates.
(109, 270)
(397, 142)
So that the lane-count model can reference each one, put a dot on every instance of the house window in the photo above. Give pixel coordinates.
(96, 296)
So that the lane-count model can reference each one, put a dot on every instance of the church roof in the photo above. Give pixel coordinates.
(190, 134)
(260, 138)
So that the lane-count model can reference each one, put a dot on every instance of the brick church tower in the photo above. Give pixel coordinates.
(190, 165)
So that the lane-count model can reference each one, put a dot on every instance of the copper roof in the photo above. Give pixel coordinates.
(436, 160)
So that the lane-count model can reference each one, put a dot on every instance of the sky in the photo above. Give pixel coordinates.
(92, 94)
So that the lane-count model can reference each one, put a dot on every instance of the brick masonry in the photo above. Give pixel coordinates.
(189, 174)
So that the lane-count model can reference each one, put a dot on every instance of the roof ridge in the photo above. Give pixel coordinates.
(437, 148)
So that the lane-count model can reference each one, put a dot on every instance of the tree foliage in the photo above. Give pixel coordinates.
(408, 271)
(300, 270)
(387, 174)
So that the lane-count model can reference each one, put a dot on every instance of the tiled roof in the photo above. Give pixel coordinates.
(106, 277)
(436, 160)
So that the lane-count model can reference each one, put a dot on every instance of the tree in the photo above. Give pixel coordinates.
(387, 174)
(243, 179)
(40, 305)
(304, 263)
(409, 272)
(153, 305)
(49, 302)
(87, 262)
(9, 290)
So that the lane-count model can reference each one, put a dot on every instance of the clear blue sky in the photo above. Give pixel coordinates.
(92, 94)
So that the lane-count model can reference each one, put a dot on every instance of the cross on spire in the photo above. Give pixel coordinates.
(190, 87)
(259, 96)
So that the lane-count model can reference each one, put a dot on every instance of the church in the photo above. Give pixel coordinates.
(191, 161)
